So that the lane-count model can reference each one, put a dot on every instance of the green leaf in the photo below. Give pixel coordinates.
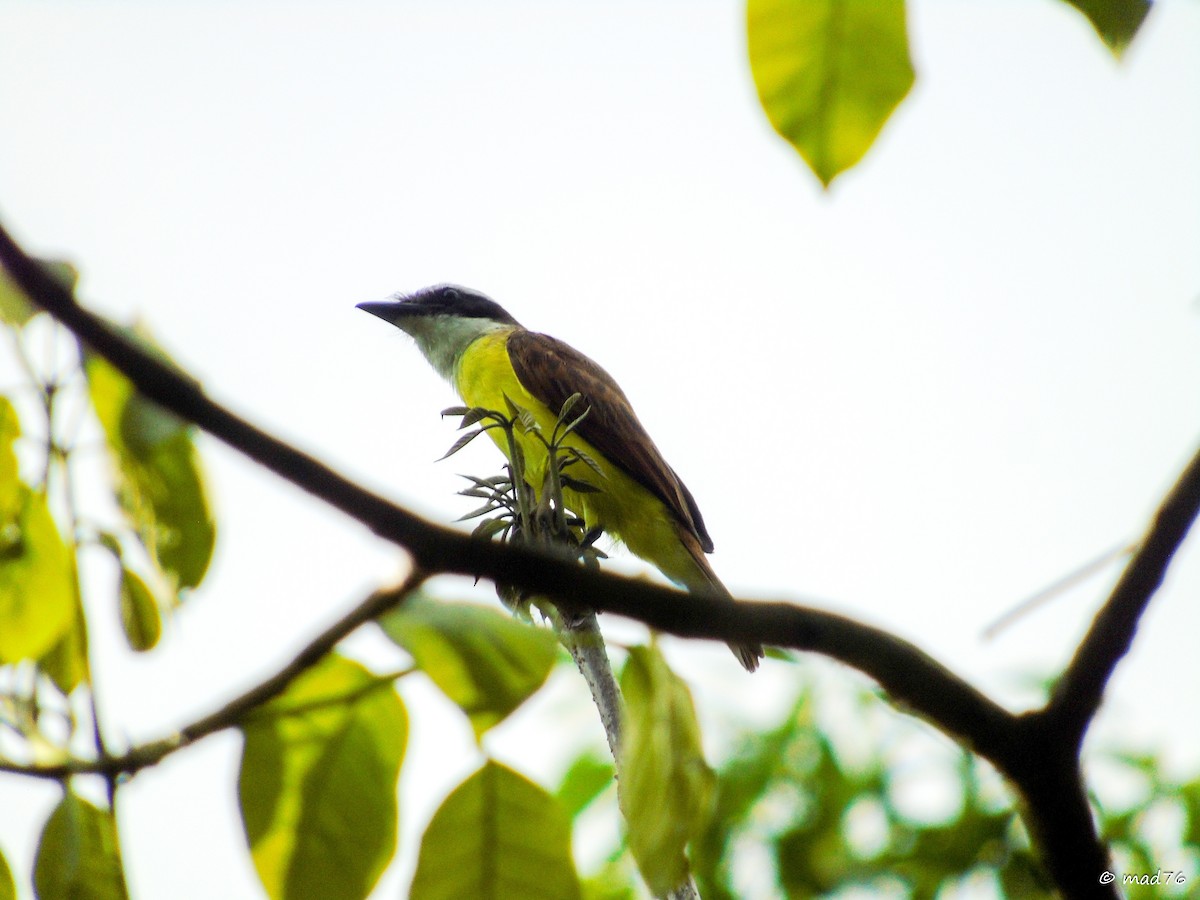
(484, 661)
(317, 786)
(489, 528)
(66, 663)
(460, 443)
(612, 882)
(1116, 21)
(829, 73)
(479, 511)
(473, 415)
(587, 778)
(667, 788)
(8, 888)
(500, 836)
(37, 590)
(577, 421)
(140, 619)
(160, 483)
(15, 308)
(578, 454)
(77, 857)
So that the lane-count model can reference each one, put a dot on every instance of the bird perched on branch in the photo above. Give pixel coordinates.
(492, 361)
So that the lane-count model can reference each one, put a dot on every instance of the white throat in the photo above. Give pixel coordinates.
(443, 339)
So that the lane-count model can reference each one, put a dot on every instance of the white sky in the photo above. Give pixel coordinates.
(972, 367)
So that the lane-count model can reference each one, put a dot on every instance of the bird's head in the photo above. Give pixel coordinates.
(444, 320)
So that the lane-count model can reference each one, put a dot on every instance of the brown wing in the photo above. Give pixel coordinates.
(552, 371)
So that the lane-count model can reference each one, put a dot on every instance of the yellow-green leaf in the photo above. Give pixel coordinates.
(486, 662)
(588, 777)
(77, 856)
(317, 786)
(615, 880)
(498, 835)
(829, 73)
(160, 483)
(10, 477)
(15, 308)
(1116, 21)
(140, 619)
(8, 888)
(37, 591)
(667, 789)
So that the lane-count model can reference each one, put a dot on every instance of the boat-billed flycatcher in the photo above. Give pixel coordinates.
(488, 356)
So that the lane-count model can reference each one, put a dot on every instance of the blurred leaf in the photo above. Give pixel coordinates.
(587, 778)
(37, 593)
(140, 619)
(66, 663)
(317, 786)
(1021, 878)
(667, 788)
(160, 484)
(15, 307)
(1116, 21)
(829, 73)
(783, 753)
(8, 888)
(1189, 797)
(500, 836)
(783, 654)
(77, 857)
(813, 855)
(10, 477)
(612, 882)
(484, 661)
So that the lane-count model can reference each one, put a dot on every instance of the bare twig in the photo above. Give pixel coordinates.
(236, 710)
(584, 642)
(1050, 591)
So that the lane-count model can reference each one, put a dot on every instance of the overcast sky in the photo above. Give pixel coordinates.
(969, 368)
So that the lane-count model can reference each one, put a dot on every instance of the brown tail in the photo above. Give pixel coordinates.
(748, 654)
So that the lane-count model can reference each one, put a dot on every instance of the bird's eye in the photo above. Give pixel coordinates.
(451, 294)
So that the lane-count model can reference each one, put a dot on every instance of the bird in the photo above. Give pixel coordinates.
(494, 361)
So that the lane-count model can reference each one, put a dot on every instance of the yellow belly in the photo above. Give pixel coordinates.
(622, 507)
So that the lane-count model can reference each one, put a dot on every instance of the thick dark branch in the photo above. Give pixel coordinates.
(1080, 689)
(233, 712)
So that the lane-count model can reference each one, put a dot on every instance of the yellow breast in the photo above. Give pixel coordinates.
(622, 507)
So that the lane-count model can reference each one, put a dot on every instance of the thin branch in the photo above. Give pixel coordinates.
(1056, 589)
(236, 710)
(584, 642)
